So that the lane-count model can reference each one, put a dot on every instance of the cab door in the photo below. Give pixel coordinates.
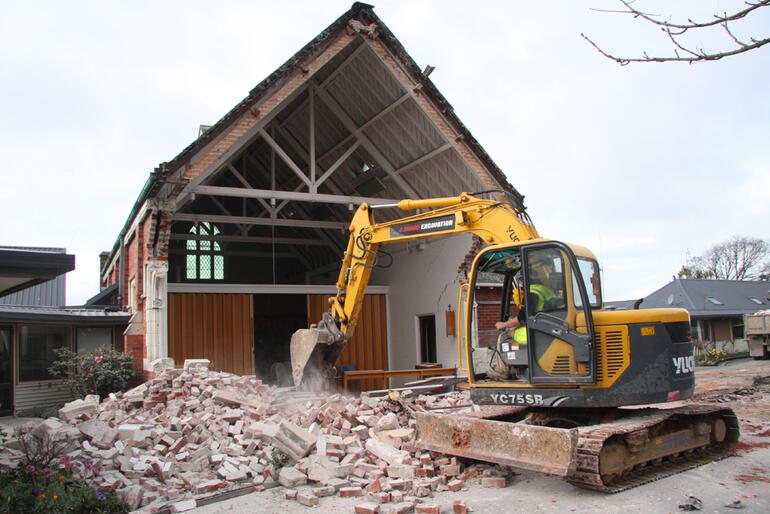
(555, 296)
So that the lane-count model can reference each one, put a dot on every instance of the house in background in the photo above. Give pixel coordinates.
(716, 308)
(34, 321)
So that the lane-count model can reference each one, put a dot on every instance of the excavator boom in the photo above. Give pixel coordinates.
(314, 351)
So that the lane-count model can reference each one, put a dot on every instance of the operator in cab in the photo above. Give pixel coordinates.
(540, 293)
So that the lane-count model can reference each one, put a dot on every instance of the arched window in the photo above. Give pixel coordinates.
(204, 256)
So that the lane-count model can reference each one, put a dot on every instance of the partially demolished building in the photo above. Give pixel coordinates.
(236, 242)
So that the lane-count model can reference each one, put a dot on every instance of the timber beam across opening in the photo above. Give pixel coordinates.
(265, 194)
(270, 222)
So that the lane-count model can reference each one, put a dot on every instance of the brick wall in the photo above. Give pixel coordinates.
(488, 313)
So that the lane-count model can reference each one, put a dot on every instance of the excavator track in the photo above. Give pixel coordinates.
(652, 444)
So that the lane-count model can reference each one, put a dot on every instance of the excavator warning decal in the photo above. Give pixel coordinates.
(423, 226)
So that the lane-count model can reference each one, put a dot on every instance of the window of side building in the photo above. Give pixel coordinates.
(36, 350)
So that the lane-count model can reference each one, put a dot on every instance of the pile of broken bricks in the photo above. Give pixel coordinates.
(190, 435)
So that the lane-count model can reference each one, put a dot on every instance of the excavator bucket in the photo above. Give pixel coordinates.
(537, 448)
(314, 352)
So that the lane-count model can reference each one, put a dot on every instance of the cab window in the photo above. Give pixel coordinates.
(589, 269)
(545, 275)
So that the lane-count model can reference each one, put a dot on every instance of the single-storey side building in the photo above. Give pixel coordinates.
(34, 321)
(236, 242)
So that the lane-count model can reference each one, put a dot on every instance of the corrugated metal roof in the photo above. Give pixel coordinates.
(51, 294)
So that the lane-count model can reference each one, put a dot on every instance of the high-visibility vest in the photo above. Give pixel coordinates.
(544, 293)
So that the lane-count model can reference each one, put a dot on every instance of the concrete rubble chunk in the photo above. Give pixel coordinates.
(320, 468)
(386, 452)
(183, 506)
(77, 408)
(100, 433)
(196, 363)
(158, 366)
(307, 498)
(233, 398)
(295, 441)
(387, 422)
(47, 428)
(291, 477)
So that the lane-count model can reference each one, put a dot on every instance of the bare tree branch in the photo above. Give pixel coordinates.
(675, 30)
(738, 258)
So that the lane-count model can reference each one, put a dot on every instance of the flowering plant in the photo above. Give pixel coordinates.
(101, 371)
(46, 480)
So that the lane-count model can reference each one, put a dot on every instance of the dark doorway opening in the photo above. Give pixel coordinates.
(6, 371)
(428, 339)
(276, 318)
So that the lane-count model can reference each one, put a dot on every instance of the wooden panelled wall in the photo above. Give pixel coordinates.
(218, 327)
(368, 348)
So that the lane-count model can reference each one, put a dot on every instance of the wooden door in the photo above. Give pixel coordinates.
(368, 348)
(213, 326)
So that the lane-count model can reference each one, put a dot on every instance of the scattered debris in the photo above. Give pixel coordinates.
(737, 504)
(191, 435)
(692, 503)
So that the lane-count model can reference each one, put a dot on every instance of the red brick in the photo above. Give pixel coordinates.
(426, 471)
(367, 508)
(380, 497)
(455, 485)
(451, 470)
(349, 492)
(493, 482)
(429, 508)
(460, 507)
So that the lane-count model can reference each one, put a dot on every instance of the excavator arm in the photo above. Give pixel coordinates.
(315, 351)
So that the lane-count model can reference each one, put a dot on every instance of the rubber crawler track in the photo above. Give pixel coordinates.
(591, 440)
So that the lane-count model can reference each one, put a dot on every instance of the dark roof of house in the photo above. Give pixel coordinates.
(106, 298)
(365, 14)
(619, 305)
(23, 267)
(712, 298)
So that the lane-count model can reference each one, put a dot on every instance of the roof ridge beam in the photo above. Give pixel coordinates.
(291, 196)
(276, 222)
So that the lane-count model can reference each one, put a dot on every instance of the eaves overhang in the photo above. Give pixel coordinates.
(20, 269)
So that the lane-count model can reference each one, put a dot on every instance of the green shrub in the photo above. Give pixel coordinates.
(102, 371)
(279, 459)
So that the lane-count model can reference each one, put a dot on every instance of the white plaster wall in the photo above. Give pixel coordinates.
(422, 282)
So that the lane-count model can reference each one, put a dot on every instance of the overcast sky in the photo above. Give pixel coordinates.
(644, 164)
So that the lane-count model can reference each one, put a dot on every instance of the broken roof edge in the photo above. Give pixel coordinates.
(317, 43)
(158, 175)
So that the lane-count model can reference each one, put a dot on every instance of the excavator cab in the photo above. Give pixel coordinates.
(556, 286)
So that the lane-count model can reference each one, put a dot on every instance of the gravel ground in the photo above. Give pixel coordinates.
(744, 477)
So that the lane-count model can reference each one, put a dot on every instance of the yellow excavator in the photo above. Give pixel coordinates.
(564, 392)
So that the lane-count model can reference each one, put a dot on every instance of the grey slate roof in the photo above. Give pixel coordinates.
(711, 298)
